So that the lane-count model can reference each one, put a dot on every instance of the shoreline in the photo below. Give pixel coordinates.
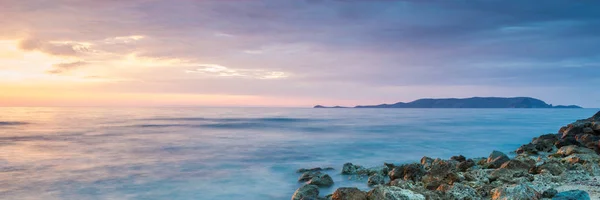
(564, 165)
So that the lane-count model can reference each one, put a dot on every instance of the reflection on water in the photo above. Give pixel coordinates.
(234, 153)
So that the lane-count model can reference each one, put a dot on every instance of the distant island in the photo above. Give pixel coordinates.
(474, 102)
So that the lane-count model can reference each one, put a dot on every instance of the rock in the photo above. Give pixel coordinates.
(381, 170)
(465, 165)
(554, 167)
(441, 171)
(393, 193)
(572, 195)
(596, 117)
(306, 192)
(321, 180)
(527, 148)
(347, 193)
(518, 165)
(549, 193)
(587, 138)
(316, 169)
(426, 162)
(567, 142)
(376, 179)
(588, 130)
(459, 192)
(412, 172)
(306, 176)
(520, 191)
(572, 149)
(350, 169)
(496, 159)
(459, 158)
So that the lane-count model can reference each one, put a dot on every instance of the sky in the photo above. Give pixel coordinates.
(295, 52)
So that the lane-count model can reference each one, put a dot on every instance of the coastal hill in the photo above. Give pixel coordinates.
(474, 102)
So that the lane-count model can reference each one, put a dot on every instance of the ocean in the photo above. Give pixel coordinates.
(237, 153)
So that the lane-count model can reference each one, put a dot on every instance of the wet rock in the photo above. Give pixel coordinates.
(496, 159)
(316, 169)
(573, 149)
(465, 165)
(572, 195)
(528, 149)
(393, 193)
(347, 193)
(306, 192)
(459, 192)
(459, 158)
(381, 170)
(412, 172)
(321, 180)
(549, 193)
(350, 169)
(376, 179)
(306, 176)
(520, 191)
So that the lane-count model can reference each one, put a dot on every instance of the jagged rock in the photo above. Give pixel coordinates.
(347, 193)
(567, 142)
(549, 193)
(588, 130)
(376, 179)
(572, 149)
(496, 159)
(587, 138)
(596, 117)
(316, 169)
(306, 192)
(465, 165)
(393, 193)
(572, 195)
(381, 170)
(553, 167)
(349, 169)
(527, 148)
(412, 172)
(592, 168)
(459, 158)
(459, 192)
(321, 180)
(518, 164)
(441, 171)
(520, 191)
(426, 162)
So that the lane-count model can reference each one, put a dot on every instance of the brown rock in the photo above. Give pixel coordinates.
(347, 193)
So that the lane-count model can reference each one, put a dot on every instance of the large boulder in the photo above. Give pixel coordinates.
(572, 195)
(306, 192)
(441, 171)
(553, 167)
(321, 180)
(520, 191)
(350, 169)
(465, 165)
(306, 176)
(596, 117)
(496, 159)
(393, 193)
(412, 172)
(347, 193)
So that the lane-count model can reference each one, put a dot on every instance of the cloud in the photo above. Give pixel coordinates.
(66, 67)
(222, 71)
(57, 49)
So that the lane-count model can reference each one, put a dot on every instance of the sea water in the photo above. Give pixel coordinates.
(237, 153)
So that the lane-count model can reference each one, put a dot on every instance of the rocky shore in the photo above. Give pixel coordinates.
(557, 166)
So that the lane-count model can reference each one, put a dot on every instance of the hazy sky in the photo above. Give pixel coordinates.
(295, 52)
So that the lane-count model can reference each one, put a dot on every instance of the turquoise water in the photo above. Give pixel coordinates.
(236, 153)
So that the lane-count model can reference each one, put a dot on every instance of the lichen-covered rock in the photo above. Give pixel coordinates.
(572, 195)
(520, 191)
(496, 159)
(412, 172)
(553, 167)
(350, 169)
(459, 192)
(306, 192)
(376, 179)
(393, 193)
(347, 193)
(321, 180)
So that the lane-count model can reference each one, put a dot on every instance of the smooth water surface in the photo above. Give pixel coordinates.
(236, 153)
